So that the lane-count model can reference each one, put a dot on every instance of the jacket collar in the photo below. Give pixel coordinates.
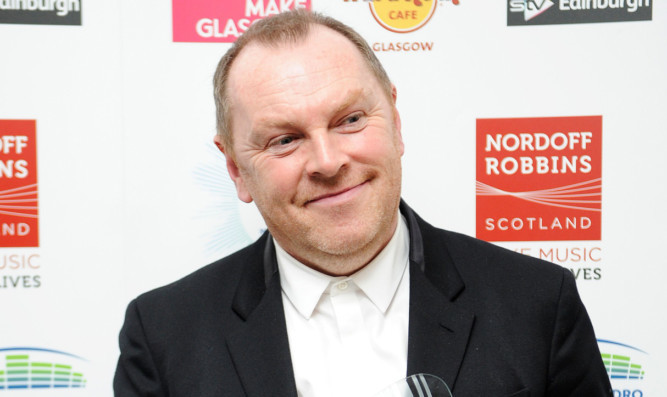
(430, 256)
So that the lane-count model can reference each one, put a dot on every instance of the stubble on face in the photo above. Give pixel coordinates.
(338, 249)
(346, 237)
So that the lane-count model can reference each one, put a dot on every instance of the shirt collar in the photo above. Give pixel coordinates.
(379, 280)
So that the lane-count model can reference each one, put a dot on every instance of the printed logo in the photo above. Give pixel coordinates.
(539, 179)
(531, 9)
(20, 270)
(626, 367)
(36, 368)
(403, 16)
(218, 21)
(40, 12)
(19, 223)
(543, 12)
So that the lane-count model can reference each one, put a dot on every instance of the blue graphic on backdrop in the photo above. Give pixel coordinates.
(230, 223)
(626, 366)
(38, 368)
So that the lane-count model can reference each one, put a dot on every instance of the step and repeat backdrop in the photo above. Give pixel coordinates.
(539, 125)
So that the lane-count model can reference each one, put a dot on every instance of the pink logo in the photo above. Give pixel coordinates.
(223, 21)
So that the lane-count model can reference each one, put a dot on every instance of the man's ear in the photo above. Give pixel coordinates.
(234, 172)
(397, 119)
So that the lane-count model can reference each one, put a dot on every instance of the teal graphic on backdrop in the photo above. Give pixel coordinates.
(627, 367)
(622, 367)
(37, 368)
(227, 223)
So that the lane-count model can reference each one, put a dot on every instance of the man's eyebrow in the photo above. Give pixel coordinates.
(351, 97)
(273, 124)
(260, 133)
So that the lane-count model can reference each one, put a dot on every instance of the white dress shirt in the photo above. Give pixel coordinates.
(348, 336)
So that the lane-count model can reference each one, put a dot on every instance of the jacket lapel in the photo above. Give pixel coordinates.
(438, 331)
(259, 347)
(438, 328)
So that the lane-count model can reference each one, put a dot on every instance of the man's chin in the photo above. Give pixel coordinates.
(341, 242)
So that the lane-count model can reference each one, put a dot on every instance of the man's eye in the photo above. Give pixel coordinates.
(285, 140)
(353, 119)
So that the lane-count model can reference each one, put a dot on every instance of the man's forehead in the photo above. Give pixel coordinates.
(320, 43)
(348, 97)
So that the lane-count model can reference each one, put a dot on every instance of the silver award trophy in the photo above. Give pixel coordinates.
(419, 385)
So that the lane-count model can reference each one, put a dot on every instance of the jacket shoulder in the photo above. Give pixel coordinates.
(213, 283)
(468, 251)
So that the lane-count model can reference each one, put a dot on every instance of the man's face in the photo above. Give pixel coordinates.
(317, 146)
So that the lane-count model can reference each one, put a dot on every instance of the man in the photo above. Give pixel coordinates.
(347, 293)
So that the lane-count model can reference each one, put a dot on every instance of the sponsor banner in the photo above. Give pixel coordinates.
(19, 220)
(584, 259)
(24, 368)
(547, 12)
(20, 269)
(627, 367)
(403, 17)
(41, 12)
(223, 21)
(539, 179)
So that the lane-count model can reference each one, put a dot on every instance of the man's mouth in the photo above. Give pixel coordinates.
(340, 195)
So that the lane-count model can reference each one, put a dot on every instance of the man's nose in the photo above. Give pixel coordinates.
(326, 157)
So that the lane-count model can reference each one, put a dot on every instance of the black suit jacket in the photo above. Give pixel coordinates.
(488, 321)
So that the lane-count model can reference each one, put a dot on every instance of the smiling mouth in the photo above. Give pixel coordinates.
(339, 195)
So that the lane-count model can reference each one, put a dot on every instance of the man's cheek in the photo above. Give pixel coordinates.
(280, 181)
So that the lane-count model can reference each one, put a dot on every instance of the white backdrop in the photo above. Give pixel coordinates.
(133, 194)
